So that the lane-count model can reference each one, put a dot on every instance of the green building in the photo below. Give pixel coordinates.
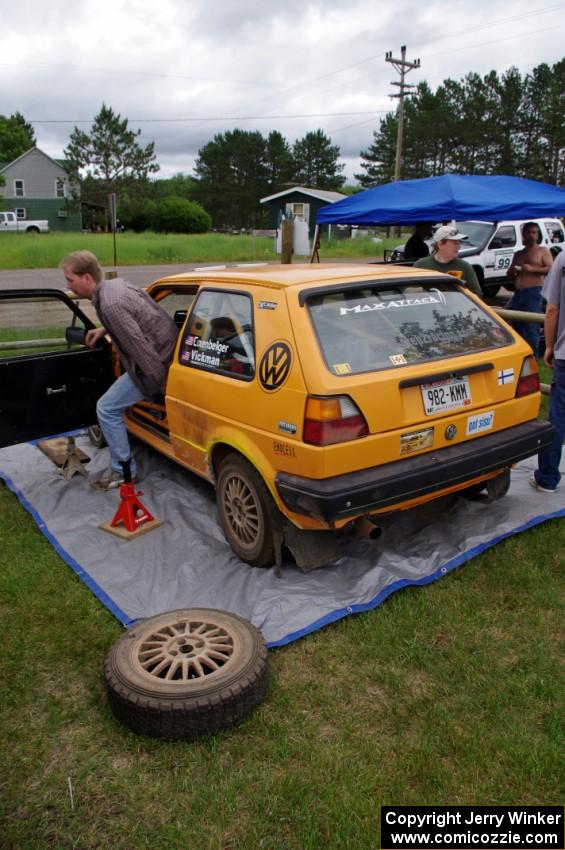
(38, 187)
(298, 202)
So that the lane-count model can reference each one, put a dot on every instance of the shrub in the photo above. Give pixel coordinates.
(178, 215)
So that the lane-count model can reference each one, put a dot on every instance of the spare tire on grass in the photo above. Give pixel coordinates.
(187, 673)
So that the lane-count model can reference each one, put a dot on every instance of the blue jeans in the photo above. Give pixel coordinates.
(530, 301)
(110, 410)
(548, 474)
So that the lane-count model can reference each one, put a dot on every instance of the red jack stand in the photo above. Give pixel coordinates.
(131, 513)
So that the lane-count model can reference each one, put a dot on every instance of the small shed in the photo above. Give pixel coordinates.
(299, 202)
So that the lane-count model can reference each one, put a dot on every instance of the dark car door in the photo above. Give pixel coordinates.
(49, 380)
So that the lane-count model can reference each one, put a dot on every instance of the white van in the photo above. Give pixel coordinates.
(491, 246)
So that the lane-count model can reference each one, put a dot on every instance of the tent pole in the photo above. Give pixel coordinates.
(315, 255)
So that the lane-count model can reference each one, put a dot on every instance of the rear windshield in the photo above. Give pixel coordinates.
(372, 328)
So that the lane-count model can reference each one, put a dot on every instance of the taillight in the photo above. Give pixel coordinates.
(528, 382)
(332, 419)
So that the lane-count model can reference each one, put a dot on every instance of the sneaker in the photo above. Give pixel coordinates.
(537, 486)
(110, 480)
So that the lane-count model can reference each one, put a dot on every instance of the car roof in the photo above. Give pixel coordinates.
(518, 221)
(279, 276)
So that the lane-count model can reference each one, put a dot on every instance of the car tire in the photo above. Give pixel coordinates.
(96, 436)
(495, 488)
(498, 486)
(246, 511)
(186, 674)
(473, 493)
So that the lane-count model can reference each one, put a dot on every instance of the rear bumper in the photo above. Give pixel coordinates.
(391, 484)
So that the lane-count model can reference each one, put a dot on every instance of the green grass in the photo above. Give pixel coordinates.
(29, 251)
(446, 694)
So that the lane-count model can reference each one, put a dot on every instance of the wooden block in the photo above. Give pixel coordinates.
(56, 450)
(122, 531)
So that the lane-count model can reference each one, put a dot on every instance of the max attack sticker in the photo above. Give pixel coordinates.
(275, 366)
(435, 296)
(342, 368)
(397, 359)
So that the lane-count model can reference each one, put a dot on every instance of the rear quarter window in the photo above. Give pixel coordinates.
(219, 336)
(374, 328)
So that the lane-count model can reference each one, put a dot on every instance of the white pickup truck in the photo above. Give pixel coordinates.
(11, 223)
(491, 246)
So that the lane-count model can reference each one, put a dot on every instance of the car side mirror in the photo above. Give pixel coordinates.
(75, 335)
(496, 243)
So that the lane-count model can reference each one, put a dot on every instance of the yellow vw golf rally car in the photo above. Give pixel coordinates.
(310, 396)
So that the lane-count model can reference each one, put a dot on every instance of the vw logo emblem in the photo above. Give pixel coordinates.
(450, 432)
(275, 366)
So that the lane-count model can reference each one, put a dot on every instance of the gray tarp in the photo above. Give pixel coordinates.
(186, 562)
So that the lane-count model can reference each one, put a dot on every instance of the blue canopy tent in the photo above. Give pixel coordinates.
(451, 196)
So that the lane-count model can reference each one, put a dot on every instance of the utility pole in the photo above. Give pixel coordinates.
(402, 66)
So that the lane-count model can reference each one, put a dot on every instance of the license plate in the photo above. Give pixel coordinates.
(446, 395)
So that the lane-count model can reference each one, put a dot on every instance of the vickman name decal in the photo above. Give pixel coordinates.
(204, 352)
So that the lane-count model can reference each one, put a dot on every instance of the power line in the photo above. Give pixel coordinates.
(161, 75)
(115, 71)
(206, 118)
(357, 123)
(496, 41)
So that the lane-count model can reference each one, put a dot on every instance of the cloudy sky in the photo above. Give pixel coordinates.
(183, 70)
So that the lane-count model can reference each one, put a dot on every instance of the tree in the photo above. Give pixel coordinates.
(278, 161)
(109, 153)
(179, 185)
(16, 137)
(232, 177)
(177, 215)
(378, 160)
(316, 162)
(541, 129)
(477, 125)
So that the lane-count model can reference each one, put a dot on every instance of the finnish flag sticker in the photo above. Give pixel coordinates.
(505, 376)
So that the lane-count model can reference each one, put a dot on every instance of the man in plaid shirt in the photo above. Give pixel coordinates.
(145, 337)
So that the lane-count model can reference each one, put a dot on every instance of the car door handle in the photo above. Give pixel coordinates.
(51, 391)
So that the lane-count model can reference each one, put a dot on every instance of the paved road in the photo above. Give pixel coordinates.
(140, 275)
(53, 278)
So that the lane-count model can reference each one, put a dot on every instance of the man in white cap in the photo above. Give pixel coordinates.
(445, 248)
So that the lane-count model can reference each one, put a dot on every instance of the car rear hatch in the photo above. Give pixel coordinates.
(422, 362)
